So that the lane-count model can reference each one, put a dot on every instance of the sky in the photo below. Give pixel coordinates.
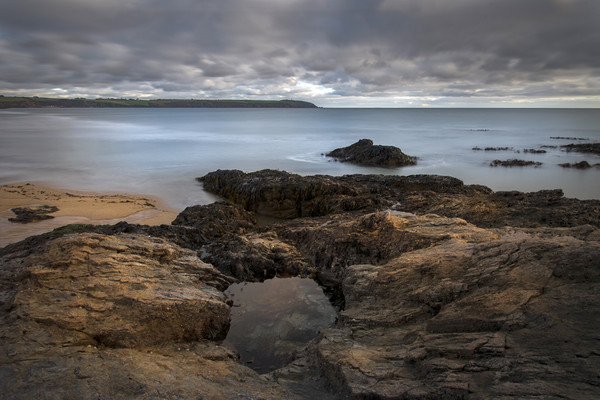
(334, 53)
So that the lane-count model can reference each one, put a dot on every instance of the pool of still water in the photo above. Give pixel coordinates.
(272, 319)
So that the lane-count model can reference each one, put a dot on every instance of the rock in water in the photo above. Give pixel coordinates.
(364, 152)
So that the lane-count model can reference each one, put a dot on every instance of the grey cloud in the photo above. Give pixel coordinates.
(254, 47)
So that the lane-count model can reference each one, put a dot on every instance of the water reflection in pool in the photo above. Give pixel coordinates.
(271, 319)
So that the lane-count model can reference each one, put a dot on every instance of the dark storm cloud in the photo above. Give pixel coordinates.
(302, 48)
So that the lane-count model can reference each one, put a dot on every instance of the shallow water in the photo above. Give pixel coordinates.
(272, 319)
(160, 151)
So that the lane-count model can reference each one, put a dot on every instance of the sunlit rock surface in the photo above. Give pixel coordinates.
(126, 316)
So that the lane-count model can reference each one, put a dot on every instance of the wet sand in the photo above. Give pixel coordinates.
(75, 207)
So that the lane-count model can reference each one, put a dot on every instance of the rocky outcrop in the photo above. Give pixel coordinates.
(123, 316)
(364, 152)
(284, 195)
(453, 292)
(476, 318)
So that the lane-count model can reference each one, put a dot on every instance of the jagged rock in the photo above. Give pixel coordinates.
(512, 317)
(364, 152)
(122, 316)
(25, 215)
(256, 256)
(217, 219)
(284, 195)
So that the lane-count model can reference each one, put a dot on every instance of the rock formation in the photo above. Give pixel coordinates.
(515, 163)
(444, 291)
(125, 316)
(579, 165)
(283, 195)
(364, 152)
(25, 215)
(593, 148)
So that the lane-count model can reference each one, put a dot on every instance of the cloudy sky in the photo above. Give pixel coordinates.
(335, 53)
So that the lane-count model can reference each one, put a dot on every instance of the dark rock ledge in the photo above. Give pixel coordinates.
(25, 215)
(364, 152)
(448, 292)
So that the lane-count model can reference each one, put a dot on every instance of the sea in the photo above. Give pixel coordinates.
(160, 152)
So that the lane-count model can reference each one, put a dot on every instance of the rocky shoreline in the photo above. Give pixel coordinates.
(443, 291)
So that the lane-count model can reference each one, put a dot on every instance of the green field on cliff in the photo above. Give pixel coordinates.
(36, 102)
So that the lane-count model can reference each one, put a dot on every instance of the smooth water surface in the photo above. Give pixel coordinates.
(272, 319)
(160, 151)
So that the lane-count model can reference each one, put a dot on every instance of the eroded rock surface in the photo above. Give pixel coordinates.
(364, 152)
(504, 318)
(122, 316)
(449, 291)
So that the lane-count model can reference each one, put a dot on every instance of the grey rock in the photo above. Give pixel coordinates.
(364, 152)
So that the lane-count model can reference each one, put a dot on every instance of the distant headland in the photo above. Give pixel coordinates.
(37, 102)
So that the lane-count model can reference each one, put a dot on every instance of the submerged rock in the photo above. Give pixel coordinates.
(579, 165)
(515, 163)
(364, 152)
(593, 148)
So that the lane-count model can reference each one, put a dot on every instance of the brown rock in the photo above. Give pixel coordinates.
(123, 316)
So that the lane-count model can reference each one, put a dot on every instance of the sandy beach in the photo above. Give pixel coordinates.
(75, 207)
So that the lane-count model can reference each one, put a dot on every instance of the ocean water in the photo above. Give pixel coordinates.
(161, 151)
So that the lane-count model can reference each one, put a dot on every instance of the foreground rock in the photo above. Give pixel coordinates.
(123, 316)
(472, 317)
(494, 296)
(364, 152)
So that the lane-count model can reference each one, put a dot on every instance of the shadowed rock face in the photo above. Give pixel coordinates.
(466, 305)
(364, 152)
(283, 195)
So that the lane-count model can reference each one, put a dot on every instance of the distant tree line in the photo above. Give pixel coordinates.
(30, 102)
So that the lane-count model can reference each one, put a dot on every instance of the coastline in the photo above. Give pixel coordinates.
(75, 207)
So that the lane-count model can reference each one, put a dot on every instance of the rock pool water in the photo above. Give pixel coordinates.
(271, 319)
